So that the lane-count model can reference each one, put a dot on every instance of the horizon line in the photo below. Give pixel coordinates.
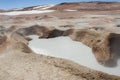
(58, 3)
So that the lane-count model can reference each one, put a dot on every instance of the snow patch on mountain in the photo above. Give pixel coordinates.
(43, 7)
(26, 12)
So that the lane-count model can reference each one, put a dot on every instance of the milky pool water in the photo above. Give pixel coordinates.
(64, 47)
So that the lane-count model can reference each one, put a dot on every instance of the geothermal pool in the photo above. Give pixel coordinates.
(64, 47)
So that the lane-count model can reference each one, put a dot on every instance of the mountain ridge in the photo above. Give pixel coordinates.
(73, 5)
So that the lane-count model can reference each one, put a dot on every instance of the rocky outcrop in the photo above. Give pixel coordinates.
(115, 47)
(43, 32)
(34, 30)
(97, 41)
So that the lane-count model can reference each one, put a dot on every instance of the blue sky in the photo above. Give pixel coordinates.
(9, 4)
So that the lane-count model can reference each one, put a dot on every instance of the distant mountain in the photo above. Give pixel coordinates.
(41, 7)
(88, 6)
(1, 10)
(72, 6)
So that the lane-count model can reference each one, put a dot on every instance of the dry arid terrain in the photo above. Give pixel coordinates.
(95, 24)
